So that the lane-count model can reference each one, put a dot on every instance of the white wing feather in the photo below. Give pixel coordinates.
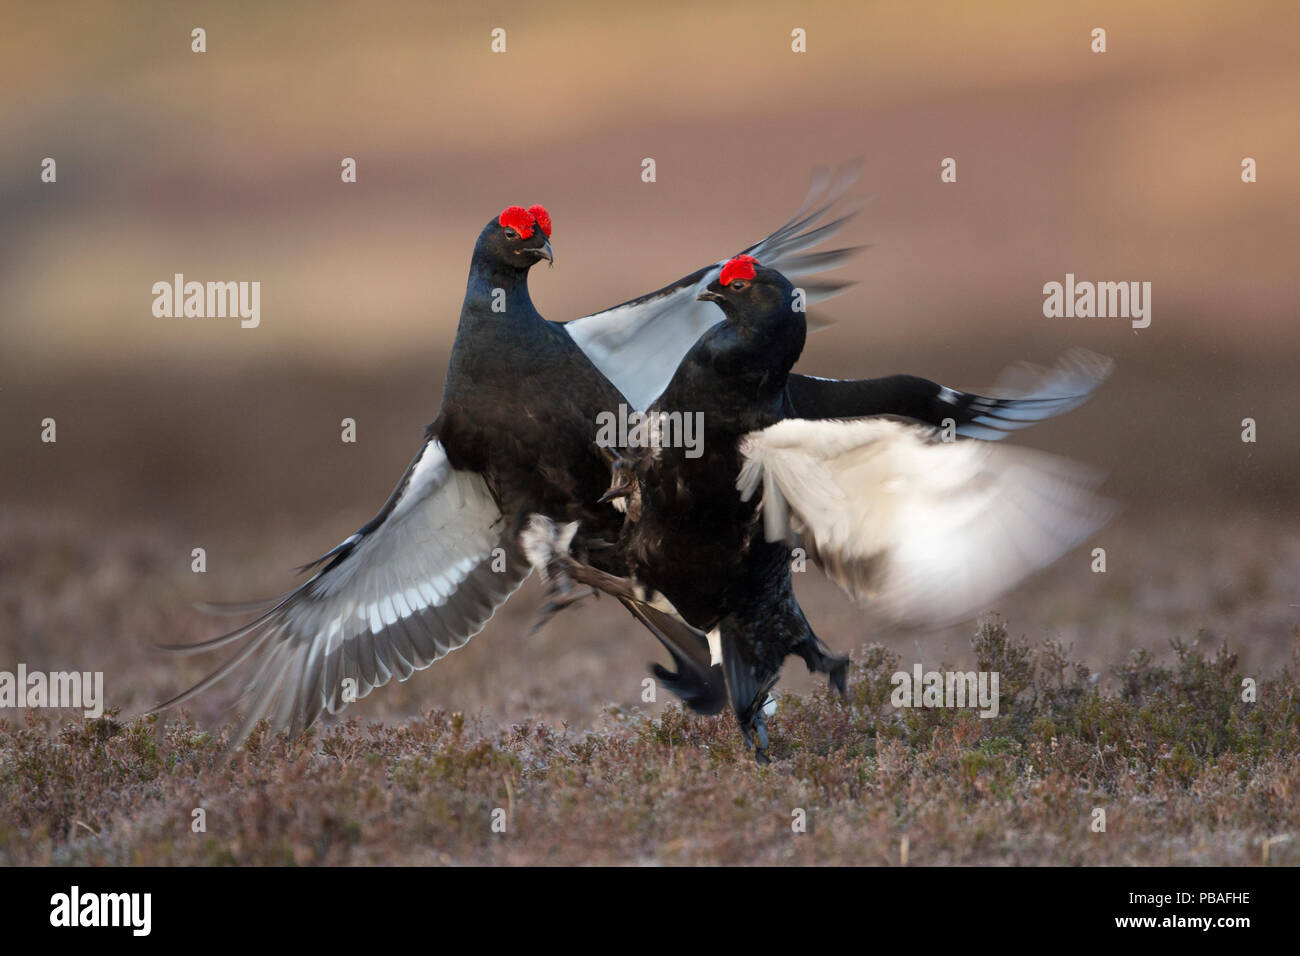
(923, 531)
(405, 591)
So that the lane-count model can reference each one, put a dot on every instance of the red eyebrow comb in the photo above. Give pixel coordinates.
(741, 267)
(543, 219)
(519, 219)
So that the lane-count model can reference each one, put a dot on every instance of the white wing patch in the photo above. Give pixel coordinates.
(657, 333)
(922, 531)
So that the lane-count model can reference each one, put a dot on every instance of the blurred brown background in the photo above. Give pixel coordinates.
(182, 433)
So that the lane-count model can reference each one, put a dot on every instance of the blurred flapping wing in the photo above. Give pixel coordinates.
(924, 532)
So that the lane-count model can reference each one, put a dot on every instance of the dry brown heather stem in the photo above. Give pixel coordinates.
(1186, 772)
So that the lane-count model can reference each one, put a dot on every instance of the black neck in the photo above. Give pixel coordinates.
(488, 274)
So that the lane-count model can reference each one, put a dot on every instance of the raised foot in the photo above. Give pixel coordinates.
(821, 660)
(546, 545)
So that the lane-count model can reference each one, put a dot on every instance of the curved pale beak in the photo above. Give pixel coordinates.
(545, 252)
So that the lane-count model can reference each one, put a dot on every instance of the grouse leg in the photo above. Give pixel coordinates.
(546, 545)
(822, 660)
(749, 682)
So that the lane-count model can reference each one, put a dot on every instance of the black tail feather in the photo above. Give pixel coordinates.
(697, 682)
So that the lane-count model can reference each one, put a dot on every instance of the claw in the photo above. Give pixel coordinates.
(559, 599)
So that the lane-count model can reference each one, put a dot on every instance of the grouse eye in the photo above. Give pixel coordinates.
(738, 284)
(511, 233)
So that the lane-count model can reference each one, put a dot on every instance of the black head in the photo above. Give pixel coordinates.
(517, 238)
(746, 290)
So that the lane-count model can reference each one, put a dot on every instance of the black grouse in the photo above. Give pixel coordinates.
(921, 529)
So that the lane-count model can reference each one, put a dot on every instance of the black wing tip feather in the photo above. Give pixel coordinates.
(825, 289)
(810, 262)
(787, 239)
(1069, 384)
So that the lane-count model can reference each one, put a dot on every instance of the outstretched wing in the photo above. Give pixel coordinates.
(414, 584)
(923, 531)
(639, 344)
(1029, 394)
